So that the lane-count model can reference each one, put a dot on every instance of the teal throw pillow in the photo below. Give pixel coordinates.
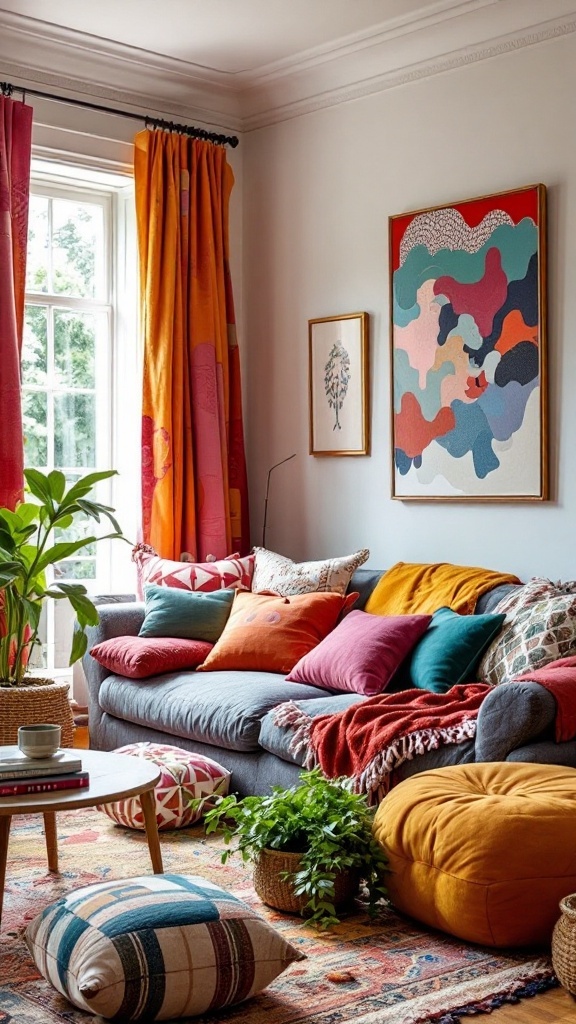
(185, 614)
(451, 648)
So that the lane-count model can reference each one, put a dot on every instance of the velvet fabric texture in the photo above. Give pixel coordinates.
(267, 633)
(186, 614)
(410, 588)
(194, 488)
(15, 149)
(138, 657)
(450, 649)
(482, 851)
(362, 654)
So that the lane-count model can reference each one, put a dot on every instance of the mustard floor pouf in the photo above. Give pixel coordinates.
(482, 851)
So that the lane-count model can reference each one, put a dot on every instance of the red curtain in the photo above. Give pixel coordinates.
(194, 490)
(15, 149)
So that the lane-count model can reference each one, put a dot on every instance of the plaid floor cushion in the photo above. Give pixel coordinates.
(155, 948)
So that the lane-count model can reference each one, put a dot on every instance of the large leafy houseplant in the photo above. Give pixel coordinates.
(324, 821)
(31, 546)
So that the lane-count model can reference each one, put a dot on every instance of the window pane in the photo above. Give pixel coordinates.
(38, 245)
(35, 346)
(78, 249)
(74, 430)
(76, 569)
(83, 526)
(35, 425)
(74, 348)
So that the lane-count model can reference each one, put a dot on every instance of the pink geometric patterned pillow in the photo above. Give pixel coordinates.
(232, 572)
(184, 777)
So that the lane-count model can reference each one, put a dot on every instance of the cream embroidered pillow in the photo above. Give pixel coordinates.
(282, 576)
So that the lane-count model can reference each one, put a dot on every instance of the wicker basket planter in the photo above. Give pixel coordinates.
(278, 893)
(40, 700)
(564, 944)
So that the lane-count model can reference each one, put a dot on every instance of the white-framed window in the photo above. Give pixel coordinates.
(80, 367)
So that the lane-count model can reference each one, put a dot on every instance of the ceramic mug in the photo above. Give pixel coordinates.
(39, 740)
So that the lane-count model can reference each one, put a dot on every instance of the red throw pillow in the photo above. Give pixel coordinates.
(138, 657)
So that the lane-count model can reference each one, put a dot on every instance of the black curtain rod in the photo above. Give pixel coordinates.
(150, 122)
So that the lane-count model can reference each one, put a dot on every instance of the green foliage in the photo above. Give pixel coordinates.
(29, 546)
(324, 820)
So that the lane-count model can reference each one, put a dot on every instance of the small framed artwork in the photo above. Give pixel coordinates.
(339, 386)
(468, 349)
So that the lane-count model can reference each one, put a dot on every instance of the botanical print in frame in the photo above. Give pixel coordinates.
(338, 378)
(468, 345)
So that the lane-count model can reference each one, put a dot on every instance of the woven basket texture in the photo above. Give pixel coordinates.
(40, 700)
(564, 944)
(278, 893)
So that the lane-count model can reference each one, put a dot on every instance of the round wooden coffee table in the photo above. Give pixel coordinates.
(112, 777)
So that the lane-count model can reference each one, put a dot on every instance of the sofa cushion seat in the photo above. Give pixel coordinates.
(223, 709)
(277, 739)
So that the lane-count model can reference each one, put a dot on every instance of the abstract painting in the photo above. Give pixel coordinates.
(468, 333)
(338, 379)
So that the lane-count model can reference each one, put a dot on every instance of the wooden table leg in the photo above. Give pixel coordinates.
(149, 811)
(51, 840)
(4, 833)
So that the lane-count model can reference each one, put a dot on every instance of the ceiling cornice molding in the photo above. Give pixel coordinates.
(356, 43)
(275, 112)
(31, 51)
(454, 34)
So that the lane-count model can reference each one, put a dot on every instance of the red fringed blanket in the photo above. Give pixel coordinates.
(368, 740)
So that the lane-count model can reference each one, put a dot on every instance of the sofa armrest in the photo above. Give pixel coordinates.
(511, 716)
(122, 619)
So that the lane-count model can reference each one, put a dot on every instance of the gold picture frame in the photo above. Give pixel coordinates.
(468, 349)
(339, 385)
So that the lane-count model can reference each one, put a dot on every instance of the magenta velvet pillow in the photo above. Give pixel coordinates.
(138, 657)
(362, 654)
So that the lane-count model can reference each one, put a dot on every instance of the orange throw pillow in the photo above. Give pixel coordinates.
(267, 633)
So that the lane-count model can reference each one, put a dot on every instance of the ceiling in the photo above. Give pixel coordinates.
(228, 36)
(246, 64)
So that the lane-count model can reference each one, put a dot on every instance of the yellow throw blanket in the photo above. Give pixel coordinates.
(409, 588)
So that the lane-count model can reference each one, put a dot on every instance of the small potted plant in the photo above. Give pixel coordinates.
(32, 543)
(311, 845)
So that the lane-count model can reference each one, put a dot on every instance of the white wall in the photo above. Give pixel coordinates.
(318, 193)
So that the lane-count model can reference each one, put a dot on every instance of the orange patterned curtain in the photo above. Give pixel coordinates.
(15, 148)
(194, 489)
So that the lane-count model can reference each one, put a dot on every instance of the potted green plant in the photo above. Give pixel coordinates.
(311, 845)
(32, 544)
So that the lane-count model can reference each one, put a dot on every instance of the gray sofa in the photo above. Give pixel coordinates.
(229, 716)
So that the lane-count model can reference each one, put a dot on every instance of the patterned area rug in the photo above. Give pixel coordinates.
(392, 972)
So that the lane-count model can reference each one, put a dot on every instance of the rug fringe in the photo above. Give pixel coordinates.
(487, 1005)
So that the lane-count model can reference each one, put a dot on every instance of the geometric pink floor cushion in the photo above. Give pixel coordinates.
(184, 777)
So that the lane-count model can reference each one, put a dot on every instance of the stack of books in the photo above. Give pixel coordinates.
(21, 775)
